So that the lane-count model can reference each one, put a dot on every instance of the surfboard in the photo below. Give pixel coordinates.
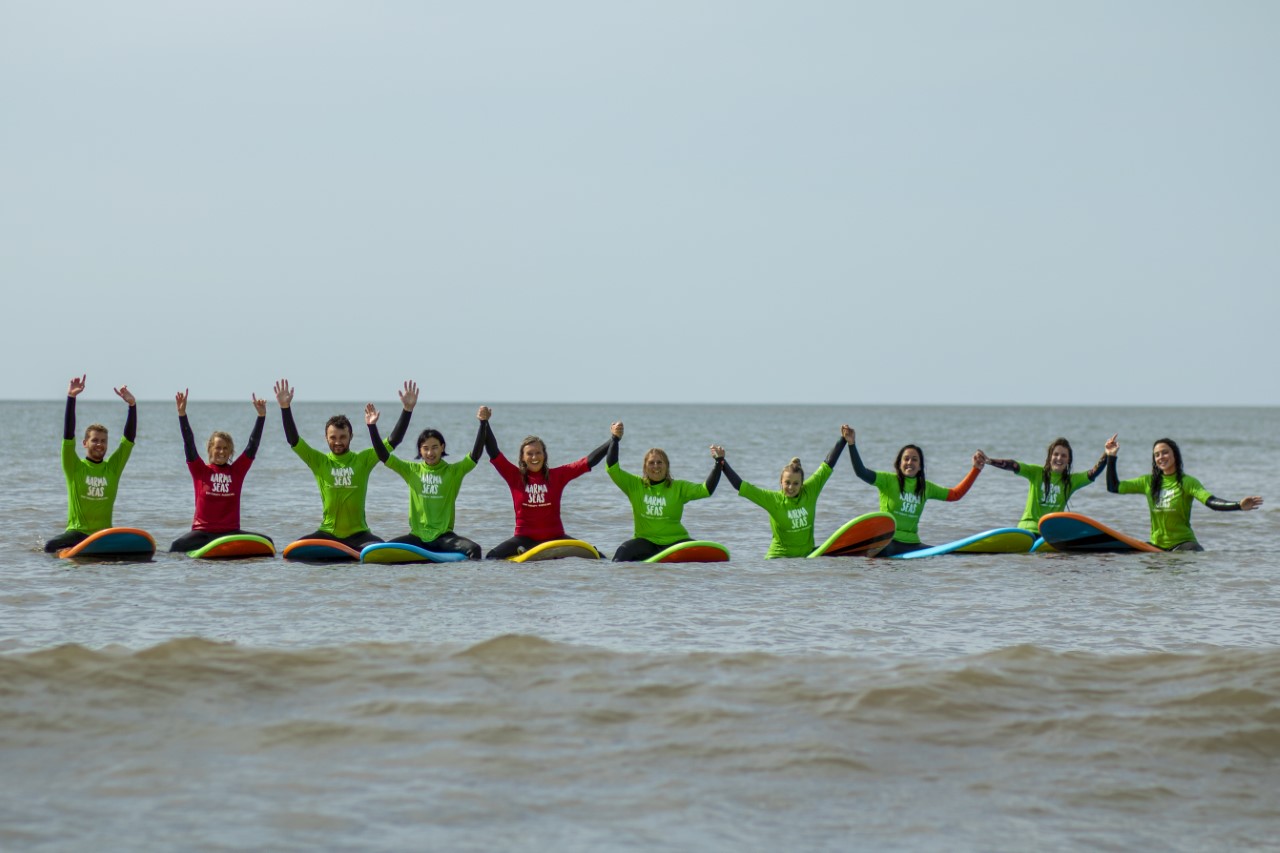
(403, 552)
(697, 551)
(235, 546)
(1072, 532)
(319, 551)
(558, 549)
(864, 536)
(1002, 540)
(1042, 547)
(118, 543)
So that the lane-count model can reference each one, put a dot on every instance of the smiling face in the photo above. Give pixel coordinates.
(791, 482)
(431, 450)
(220, 450)
(656, 466)
(910, 461)
(339, 439)
(1059, 458)
(534, 455)
(95, 445)
(1164, 459)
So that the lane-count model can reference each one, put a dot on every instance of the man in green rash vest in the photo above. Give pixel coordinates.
(92, 482)
(342, 475)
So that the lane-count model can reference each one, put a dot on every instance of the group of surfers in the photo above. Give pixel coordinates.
(657, 499)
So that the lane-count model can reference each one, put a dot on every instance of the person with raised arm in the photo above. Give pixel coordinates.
(92, 481)
(342, 475)
(1052, 484)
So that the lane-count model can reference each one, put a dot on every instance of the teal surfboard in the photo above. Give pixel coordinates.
(697, 551)
(402, 552)
(1002, 540)
(1072, 532)
(320, 551)
(114, 543)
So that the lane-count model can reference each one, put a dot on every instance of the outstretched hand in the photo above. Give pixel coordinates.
(979, 459)
(75, 386)
(1251, 502)
(615, 429)
(181, 399)
(409, 396)
(259, 406)
(1112, 447)
(370, 414)
(847, 432)
(484, 413)
(124, 394)
(284, 394)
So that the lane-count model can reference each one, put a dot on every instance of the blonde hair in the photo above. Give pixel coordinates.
(208, 448)
(792, 466)
(661, 454)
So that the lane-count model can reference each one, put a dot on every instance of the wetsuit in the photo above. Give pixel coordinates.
(656, 507)
(1041, 502)
(790, 519)
(904, 503)
(1171, 508)
(91, 486)
(536, 498)
(217, 490)
(343, 482)
(433, 491)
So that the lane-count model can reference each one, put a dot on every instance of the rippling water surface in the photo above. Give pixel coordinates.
(976, 702)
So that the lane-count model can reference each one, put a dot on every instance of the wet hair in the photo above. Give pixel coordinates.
(524, 471)
(225, 436)
(1066, 472)
(430, 433)
(1157, 476)
(339, 421)
(792, 467)
(897, 466)
(661, 454)
(95, 428)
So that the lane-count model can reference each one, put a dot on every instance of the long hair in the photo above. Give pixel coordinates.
(524, 471)
(430, 432)
(897, 466)
(661, 454)
(1066, 472)
(1157, 476)
(225, 436)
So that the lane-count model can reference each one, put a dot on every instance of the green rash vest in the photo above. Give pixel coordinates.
(1039, 504)
(343, 482)
(790, 519)
(658, 508)
(433, 490)
(1171, 509)
(92, 486)
(906, 508)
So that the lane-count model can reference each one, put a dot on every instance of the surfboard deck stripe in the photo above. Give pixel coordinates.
(389, 553)
(1070, 531)
(558, 549)
(1002, 540)
(697, 551)
(235, 546)
(864, 536)
(319, 551)
(114, 542)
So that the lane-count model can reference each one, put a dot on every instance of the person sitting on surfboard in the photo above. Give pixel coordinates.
(92, 482)
(217, 481)
(793, 507)
(657, 501)
(433, 487)
(535, 491)
(343, 476)
(1169, 495)
(1052, 484)
(904, 491)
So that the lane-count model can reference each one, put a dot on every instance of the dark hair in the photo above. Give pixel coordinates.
(897, 466)
(431, 433)
(528, 440)
(339, 421)
(1066, 472)
(1157, 476)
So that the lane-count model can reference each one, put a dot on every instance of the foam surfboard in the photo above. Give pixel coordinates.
(235, 546)
(1042, 547)
(403, 552)
(319, 551)
(1072, 532)
(558, 549)
(1002, 540)
(697, 551)
(864, 536)
(113, 543)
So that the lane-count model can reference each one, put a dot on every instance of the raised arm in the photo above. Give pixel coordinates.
(960, 489)
(864, 473)
(717, 458)
(615, 437)
(74, 387)
(834, 456)
(1110, 450)
(284, 396)
(732, 475)
(131, 420)
(481, 433)
(371, 420)
(408, 399)
(255, 437)
(184, 426)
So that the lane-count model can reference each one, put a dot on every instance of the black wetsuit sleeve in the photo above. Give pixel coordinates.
(188, 439)
(732, 475)
(1097, 468)
(834, 456)
(613, 451)
(1005, 464)
(713, 479)
(594, 457)
(1113, 479)
(290, 428)
(378, 447)
(131, 424)
(864, 473)
(490, 441)
(401, 427)
(255, 437)
(478, 447)
(1220, 505)
(69, 419)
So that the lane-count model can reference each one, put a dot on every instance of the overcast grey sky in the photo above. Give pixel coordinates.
(822, 202)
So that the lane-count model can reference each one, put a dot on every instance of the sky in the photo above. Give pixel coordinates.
(734, 202)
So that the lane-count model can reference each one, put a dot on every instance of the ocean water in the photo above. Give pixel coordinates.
(1010, 702)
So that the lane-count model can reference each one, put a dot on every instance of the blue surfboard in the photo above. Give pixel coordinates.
(320, 551)
(114, 543)
(403, 552)
(1070, 531)
(1002, 540)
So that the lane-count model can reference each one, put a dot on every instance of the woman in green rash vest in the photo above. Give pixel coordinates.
(792, 507)
(92, 482)
(433, 487)
(1169, 495)
(657, 501)
(904, 491)
(342, 476)
(1052, 484)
